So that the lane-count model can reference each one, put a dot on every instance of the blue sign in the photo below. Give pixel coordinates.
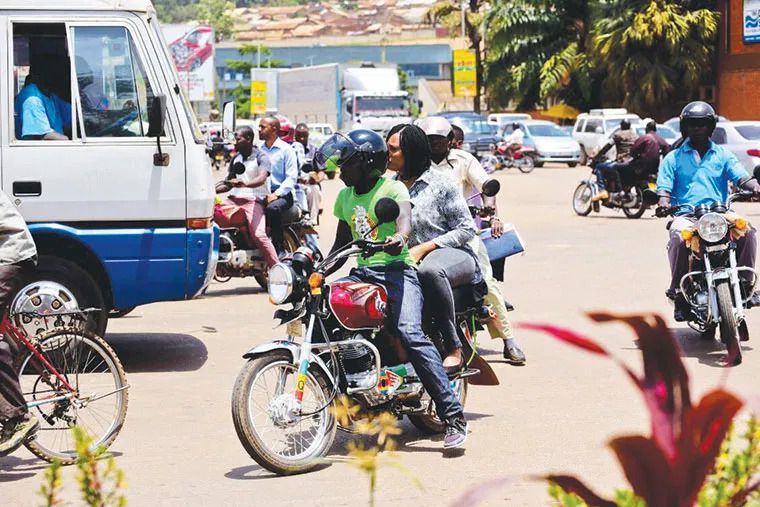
(751, 21)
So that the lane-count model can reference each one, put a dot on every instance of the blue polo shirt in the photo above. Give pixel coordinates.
(283, 176)
(39, 114)
(695, 180)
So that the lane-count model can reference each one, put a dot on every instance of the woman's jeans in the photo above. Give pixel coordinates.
(405, 316)
(440, 271)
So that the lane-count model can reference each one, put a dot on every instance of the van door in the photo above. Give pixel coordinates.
(103, 172)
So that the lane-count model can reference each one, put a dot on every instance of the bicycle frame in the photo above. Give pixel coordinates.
(7, 327)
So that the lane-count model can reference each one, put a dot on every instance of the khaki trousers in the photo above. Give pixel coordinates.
(499, 327)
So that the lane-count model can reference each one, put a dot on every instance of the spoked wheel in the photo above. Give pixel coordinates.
(526, 164)
(276, 439)
(729, 330)
(582, 199)
(641, 207)
(429, 422)
(98, 403)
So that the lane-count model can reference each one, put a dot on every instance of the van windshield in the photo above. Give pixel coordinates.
(187, 108)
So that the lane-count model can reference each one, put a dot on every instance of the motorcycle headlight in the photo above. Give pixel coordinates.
(712, 227)
(280, 283)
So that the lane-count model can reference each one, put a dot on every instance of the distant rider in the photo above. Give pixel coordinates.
(623, 141)
(698, 172)
(515, 139)
(309, 177)
(648, 149)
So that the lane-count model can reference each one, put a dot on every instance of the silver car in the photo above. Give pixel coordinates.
(742, 138)
(551, 143)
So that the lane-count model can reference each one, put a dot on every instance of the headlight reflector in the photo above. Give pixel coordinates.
(712, 227)
(280, 283)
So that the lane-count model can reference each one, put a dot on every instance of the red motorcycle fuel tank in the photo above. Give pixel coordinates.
(358, 305)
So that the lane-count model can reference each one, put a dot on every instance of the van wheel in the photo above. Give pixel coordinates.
(58, 285)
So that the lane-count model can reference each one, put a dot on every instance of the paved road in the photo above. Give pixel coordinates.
(555, 414)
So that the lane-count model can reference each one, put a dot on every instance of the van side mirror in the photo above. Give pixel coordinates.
(491, 187)
(229, 117)
(756, 173)
(156, 120)
(157, 116)
(350, 107)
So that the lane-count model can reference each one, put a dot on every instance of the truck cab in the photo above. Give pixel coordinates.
(113, 181)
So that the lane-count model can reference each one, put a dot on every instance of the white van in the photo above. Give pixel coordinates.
(501, 119)
(111, 174)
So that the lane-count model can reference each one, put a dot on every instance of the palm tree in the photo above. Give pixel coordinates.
(655, 52)
(448, 12)
(537, 50)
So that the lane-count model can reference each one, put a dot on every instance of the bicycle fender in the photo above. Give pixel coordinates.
(292, 348)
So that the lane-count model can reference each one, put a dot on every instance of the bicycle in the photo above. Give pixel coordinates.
(69, 376)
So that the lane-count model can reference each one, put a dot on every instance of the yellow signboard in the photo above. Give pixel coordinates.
(258, 98)
(464, 73)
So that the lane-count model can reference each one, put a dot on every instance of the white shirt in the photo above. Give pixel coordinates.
(16, 243)
(252, 169)
(516, 137)
(465, 170)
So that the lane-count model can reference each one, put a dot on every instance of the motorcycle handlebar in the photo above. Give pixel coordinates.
(741, 196)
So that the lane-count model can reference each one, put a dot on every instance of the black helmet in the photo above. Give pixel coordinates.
(698, 110)
(365, 144)
(515, 126)
(625, 124)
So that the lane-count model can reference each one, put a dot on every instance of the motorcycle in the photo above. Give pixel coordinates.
(220, 153)
(503, 158)
(284, 399)
(717, 297)
(631, 198)
(238, 256)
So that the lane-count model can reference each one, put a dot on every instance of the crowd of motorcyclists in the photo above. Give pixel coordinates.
(434, 246)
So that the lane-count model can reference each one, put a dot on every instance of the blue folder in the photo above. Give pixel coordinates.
(506, 245)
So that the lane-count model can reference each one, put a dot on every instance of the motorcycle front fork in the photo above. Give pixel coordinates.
(733, 277)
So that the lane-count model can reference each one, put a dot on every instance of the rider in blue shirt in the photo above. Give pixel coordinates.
(40, 113)
(698, 172)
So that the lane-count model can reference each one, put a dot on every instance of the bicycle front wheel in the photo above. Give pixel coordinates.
(95, 398)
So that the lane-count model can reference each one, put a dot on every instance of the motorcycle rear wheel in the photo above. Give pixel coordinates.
(638, 211)
(251, 417)
(429, 423)
(729, 330)
(526, 164)
(582, 199)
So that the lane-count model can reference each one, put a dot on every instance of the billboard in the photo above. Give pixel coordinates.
(465, 76)
(258, 98)
(751, 21)
(192, 47)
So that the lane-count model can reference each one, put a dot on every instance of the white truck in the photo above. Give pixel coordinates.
(347, 97)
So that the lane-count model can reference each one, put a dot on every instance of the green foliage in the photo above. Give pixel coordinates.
(101, 482)
(175, 11)
(51, 488)
(242, 97)
(218, 14)
(737, 465)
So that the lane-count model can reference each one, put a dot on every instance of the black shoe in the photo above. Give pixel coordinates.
(456, 432)
(513, 354)
(754, 300)
(682, 310)
(457, 368)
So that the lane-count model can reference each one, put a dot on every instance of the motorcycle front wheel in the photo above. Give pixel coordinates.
(729, 330)
(582, 199)
(263, 390)
(638, 210)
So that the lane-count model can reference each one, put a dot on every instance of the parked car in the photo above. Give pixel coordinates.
(502, 119)
(479, 135)
(551, 143)
(742, 138)
(675, 123)
(593, 128)
(319, 132)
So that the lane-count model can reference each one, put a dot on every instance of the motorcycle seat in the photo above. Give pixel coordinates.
(292, 214)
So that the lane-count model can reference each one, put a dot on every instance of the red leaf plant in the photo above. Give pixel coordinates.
(668, 468)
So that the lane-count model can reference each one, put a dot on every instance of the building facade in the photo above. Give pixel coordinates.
(738, 60)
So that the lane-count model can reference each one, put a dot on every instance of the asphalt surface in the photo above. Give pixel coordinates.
(556, 414)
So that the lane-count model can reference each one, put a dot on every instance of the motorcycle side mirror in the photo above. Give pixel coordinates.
(238, 168)
(756, 173)
(386, 210)
(491, 187)
(650, 197)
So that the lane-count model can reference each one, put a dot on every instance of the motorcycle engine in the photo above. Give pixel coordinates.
(240, 259)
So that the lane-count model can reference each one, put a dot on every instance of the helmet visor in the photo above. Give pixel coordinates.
(335, 152)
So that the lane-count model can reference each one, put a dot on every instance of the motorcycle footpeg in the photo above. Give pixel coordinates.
(469, 372)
